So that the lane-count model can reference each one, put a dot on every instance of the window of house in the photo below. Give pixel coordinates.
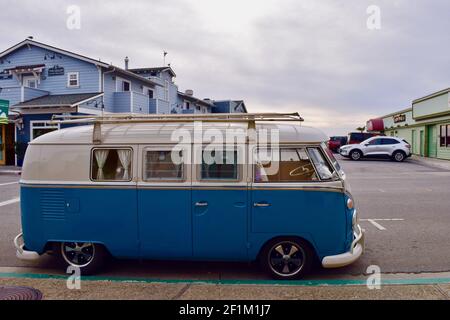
(187, 105)
(160, 165)
(126, 86)
(38, 128)
(448, 135)
(283, 165)
(73, 79)
(198, 108)
(219, 165)
(444, 138)
(150, 93)
(111, 165)
(30, 82)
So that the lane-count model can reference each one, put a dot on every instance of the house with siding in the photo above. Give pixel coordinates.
(38, 81)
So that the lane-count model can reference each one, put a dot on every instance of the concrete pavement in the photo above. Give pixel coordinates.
(431, 162)
(437, 287)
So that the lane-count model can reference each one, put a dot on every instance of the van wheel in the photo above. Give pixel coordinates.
(287, 258)
(356, 155)
(89, 257)
(398, 156)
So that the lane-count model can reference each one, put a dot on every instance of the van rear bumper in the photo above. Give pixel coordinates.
(21, 253)
(344, 259)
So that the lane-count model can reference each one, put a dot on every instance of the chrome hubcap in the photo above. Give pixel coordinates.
(286, 259)
(355, 155)
(78, 253)
(399, 157)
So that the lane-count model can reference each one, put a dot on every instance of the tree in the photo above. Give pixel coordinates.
(361, 129)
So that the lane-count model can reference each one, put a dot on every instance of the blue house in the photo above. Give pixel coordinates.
(40, 80)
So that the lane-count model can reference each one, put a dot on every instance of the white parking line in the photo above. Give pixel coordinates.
(8, 183)
(376, 225)
(379, 226)
(11, 201)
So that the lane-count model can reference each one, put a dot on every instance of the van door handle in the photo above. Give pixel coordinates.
(261, 204)
(201, 204)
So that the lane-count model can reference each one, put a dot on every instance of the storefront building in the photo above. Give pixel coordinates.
(425, 125)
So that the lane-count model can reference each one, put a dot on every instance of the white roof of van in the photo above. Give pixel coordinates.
(148, 133)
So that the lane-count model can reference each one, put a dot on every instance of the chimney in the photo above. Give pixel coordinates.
(126, 63)
(189, 92)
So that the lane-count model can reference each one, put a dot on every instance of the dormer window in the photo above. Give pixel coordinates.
(73, 80)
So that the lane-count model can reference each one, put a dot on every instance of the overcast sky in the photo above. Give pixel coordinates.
(316, 57)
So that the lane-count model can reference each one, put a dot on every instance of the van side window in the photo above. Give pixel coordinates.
(284, 165)
(219, 165)
(111, 165)
(159, 165)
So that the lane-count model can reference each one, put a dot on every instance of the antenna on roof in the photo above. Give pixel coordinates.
(164, 58)
(30, 37)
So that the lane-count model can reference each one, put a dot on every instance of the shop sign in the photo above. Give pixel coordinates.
(4, 109)
(56, 71)
(5, 75)
(400, 118)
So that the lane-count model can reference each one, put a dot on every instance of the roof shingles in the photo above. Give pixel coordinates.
(58, 100)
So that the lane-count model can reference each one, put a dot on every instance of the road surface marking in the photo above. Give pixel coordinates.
(376, 224)
(8, 183)
(381, 190)
(5, 203)
(379, 226)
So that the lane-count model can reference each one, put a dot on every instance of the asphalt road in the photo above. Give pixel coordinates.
(417, 239)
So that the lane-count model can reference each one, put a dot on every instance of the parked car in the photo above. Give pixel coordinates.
(336, 142)
(385, 147)
(124, 188)
(358, 137)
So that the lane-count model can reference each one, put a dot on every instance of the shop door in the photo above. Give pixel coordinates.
(432, 141)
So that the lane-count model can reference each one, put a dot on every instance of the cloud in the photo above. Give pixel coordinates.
(316, 57)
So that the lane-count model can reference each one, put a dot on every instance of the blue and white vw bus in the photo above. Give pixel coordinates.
(112, 186)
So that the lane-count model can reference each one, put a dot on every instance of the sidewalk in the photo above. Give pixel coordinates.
(431, 162)
(408, 286)
(10, 170)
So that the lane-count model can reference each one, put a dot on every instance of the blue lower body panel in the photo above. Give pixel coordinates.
(106, 216)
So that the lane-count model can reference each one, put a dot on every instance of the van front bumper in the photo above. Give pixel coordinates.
(344, 259)
(21, 253)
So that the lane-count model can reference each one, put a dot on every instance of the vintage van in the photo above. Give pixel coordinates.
(111, 186)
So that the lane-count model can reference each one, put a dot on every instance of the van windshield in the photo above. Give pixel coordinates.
(323, 168)
(332, 158)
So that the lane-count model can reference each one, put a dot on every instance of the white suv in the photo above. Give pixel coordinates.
(379, 146)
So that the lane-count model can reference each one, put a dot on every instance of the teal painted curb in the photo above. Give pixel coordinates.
(306, 283)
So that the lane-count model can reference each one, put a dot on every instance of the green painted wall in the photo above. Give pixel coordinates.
(432, 106)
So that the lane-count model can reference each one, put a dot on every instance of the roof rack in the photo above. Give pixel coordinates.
(211, 117)
(121, 118)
